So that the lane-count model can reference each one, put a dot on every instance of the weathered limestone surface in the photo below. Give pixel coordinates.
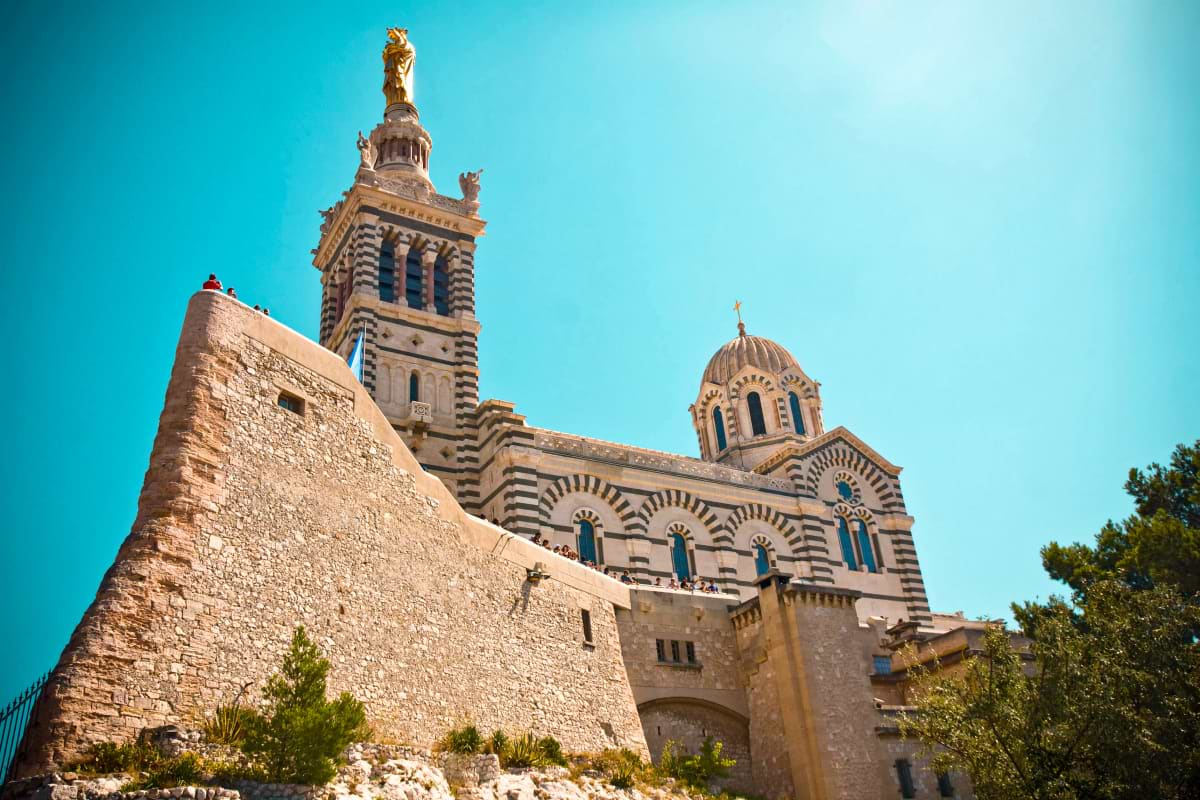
(254, 519)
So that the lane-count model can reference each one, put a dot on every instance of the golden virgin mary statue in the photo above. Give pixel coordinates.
(398, 59)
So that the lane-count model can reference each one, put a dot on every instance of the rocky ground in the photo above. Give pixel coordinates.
(371, 772)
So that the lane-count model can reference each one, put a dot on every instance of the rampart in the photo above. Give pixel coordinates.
(255, 518)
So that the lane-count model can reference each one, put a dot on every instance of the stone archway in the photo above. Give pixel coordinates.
(689, 720)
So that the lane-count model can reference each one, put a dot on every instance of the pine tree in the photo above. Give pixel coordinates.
(299, 734)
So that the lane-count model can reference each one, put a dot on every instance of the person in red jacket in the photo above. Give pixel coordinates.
(212, 283)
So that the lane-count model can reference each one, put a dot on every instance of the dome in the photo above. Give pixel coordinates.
(755, 351)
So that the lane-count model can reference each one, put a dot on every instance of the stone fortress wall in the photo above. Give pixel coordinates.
(254, 519)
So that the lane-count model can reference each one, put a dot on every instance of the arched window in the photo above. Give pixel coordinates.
(441, 286)
(679, 557)
(587, 541)
(757, 424)
(412, 278)
(794, 404)
(762, 562)
(847, 545)
(387, 273)
(864, 547)
(719, 427)
(414, 387)
(843, 489)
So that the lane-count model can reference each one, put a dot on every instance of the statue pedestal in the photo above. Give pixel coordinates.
(397, 112)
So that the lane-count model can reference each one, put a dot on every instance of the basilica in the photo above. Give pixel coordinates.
(774, 496)
(416, 531)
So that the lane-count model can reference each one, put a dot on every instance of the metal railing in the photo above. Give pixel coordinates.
(13, 721)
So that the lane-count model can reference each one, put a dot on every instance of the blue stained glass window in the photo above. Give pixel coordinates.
(845, 491)
(679, 557)
(757, 423)
(719, 427)
(414, 387)
(846, 544)
(797, 420)
(441, 286)
(762, 563)
(864, 546)
(412, 278)
(587, 541)
(387, 273)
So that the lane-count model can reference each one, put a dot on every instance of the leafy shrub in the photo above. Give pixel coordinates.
(526, 751)
(552, 751)
(108, 757)
(466, 740)
(498, 743)
(300, 734)
(229, 724)
(699, 770)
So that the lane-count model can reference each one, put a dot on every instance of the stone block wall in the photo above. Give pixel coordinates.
(254, 519)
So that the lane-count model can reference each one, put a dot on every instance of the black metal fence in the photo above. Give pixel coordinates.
(13, 720)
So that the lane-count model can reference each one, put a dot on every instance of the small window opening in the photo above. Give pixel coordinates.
(675, 651)
(883, 665)
(945, 787)
(691, 652)
(660, 648)
(659, 727)
(291, 403)
(587, 625)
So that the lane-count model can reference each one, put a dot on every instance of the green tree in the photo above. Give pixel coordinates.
(1109, 707)
(299, 735)
(1158, 544)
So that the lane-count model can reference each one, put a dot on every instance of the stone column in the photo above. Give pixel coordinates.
(428, 258)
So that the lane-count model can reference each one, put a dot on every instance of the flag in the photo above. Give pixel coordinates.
(356, 356)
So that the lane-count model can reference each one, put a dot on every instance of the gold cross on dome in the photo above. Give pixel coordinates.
(737, 306)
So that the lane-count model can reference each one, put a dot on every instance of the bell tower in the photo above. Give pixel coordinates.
(397, 263)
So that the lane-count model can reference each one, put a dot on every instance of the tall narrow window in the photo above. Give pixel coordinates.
(441, 286)
(414, 387)
(587, 541)
(864, 547)
(797, 420)
(757, 424)
(904, 773)
(412, 278)
(762, 563)
(387, 273)
(660, 649)
(945, 785)
(679, 557)
(586, 619)
(343, 294)
(846, 544)
(719, 427)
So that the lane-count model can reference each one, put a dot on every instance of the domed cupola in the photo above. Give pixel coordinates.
(753, 351)
(753, 398)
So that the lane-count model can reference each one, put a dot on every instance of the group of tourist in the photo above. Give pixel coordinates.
(214, 285)
(686, 585)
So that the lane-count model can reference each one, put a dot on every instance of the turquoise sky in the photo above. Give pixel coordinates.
(975, 223)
